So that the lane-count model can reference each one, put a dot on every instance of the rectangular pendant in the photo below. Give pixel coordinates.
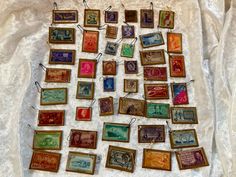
(81, 162)
(146, 18)
(90, 41)
(45, 161)
(57, 75)
(157, 159)
(155, 73)
(151, 133)
(47, 140)
(183, 138)
(152, 57)
(156, 91)
(131, 106)
(62, 56)
(51, 117)
(117, 158)
(116, 132)
(184, 115)
(83, 139)
(190, 159)
(61, 35)
(157, 110)
(53, 96)
(179, 93)
(64, 16)
(151, 39)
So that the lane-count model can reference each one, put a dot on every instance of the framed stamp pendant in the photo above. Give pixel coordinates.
(116, 132)
(47, 140)
(127, 50)
(64, 16)
(51, 117)
(53, 96)
(179, 93)
(58, 75)
(62, 56)
(61, 35)
(151, 133)
(90, 41)
(81, 162)
(91, 17)
(45, 161)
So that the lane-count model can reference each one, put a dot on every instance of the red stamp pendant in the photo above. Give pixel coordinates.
(51, 117)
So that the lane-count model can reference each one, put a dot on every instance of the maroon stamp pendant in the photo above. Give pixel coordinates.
(83, 139)
(57, 75)
(51, 117)
(155, 73)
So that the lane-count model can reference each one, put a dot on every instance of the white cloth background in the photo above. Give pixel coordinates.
(208, 40)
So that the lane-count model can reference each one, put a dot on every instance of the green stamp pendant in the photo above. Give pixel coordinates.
(116, 132)
(47, 140)
(158, 110)
(127, 50)
(53, 96)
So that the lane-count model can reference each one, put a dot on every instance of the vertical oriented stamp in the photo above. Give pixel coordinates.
(146, 18)
(131, 16)
(111, 32)
(109, 67)
(131, 67)
(87, 68)
(91, 17)
(85, 90)
(109, 84)
(128, 31)
(90, 41)
(131, 85)
(179, 93)
(111, 16)
(174, 43)
(106, 106)
(177, 66)
(166, 19)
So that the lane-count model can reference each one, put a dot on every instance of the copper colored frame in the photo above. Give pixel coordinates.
(63, 119)
(64, 11)
(62, 42)
(159, 98)
(53, 103)
(62, 50)
(147, 126)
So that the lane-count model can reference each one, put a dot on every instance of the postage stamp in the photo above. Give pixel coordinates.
(131, 85)
(81, 162)
(91, 17)
(53, 96)
(106, 106)
(128, 31)
(85, 90)
(156, 91)
(62, 56)
(61, 35)
(127, 50)
(45, 161)
(174, 43)
(57, 75)
(121, 158)
(131, 106)
(131, 16)
(157, 110)
(111, 16)
(116, 132)
(87, 68)
(166, 19)
(146, 18)
(83, 113)
(152, 57)
(177, 66)
(151, 133)
(179, 93)
(109, 84)
(111, 48)
(90, 41)
(83, 139)
(131, 67)
(47, 140)
(109, 67)
(183, 138)
(189, 159)
(64, 16)
(157, 159)
(51, 117)
(155, 73)
(151, 39)
(111, 32)
(184, 115)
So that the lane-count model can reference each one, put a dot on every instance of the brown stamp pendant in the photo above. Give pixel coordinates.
(45, 161)
(57, 75)
(51, 117)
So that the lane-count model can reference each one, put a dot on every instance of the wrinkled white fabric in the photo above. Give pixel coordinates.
(24, 34)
